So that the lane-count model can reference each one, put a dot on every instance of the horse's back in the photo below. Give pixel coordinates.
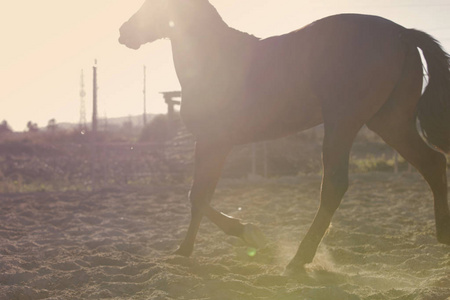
(331, 63)
(350, 60)
(343, 66)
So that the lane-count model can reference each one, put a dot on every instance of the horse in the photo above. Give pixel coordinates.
(343, 71)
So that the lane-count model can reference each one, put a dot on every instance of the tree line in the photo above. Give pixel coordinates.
(30, 127)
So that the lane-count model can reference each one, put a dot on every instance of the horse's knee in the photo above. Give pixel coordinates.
(333, 189)
(336, 182)
(198, 203)
(435, 164)
(434, 171)
(440, 162)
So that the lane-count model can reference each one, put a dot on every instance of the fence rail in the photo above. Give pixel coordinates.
(33, 166)
(70, 165)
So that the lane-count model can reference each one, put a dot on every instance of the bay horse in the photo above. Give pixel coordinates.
(343, 71)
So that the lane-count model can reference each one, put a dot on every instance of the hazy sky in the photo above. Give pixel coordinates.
(45, 44)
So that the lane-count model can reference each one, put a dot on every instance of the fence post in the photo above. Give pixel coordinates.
(395, 162)
(265, 160)
(253, 174)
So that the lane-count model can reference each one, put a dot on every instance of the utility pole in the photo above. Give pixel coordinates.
(145, 95)
(94, 153)
(94, 110)
(82, 103)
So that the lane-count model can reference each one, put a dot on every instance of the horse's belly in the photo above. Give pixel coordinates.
(277, 118)
(266, 109)
(304, 116)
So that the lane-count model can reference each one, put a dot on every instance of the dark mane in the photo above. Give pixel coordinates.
(242, 35)
(218, 25)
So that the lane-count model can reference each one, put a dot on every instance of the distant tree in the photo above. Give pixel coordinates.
(51, 125)
(156, 131)
(127, 126)
(4, 127)
(32, 127)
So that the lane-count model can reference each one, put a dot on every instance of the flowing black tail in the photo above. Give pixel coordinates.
(434, 105)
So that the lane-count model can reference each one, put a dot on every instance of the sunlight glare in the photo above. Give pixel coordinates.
(251, 252)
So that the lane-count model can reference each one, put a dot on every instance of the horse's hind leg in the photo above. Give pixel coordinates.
(396, 124)
(336, 148)
(431, 164)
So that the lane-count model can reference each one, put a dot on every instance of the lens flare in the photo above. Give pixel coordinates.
(251, 252)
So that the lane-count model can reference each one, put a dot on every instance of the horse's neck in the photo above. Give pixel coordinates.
(205, 50)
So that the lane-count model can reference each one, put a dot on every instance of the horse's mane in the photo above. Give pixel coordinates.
(242, 35)
(216, 21)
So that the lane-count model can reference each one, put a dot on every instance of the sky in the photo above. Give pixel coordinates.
(46, 44)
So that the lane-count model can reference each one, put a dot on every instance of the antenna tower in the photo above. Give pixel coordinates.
(94, 96)
(82, 103)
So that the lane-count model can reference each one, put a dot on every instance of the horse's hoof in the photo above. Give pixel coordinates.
(295, 267)
(443, 232)
(444, 239)
(183, 251)
(298, 263)
(253, 236)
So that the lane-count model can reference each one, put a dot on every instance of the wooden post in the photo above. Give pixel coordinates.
(168, 98)
(265, 160)
(253, 174)
(395, 162)
(145, 100)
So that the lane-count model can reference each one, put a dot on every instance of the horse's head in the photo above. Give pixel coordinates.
(149, 23)
(158, 19)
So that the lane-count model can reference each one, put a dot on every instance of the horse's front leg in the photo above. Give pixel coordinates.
(336, 149)
(209, 160)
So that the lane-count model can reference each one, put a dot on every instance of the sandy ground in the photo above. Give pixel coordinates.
(117, 244)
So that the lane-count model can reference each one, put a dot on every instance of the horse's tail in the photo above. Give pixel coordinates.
(433, 108)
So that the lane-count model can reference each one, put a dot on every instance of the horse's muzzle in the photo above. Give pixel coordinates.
(126, 39)
(129, 42)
